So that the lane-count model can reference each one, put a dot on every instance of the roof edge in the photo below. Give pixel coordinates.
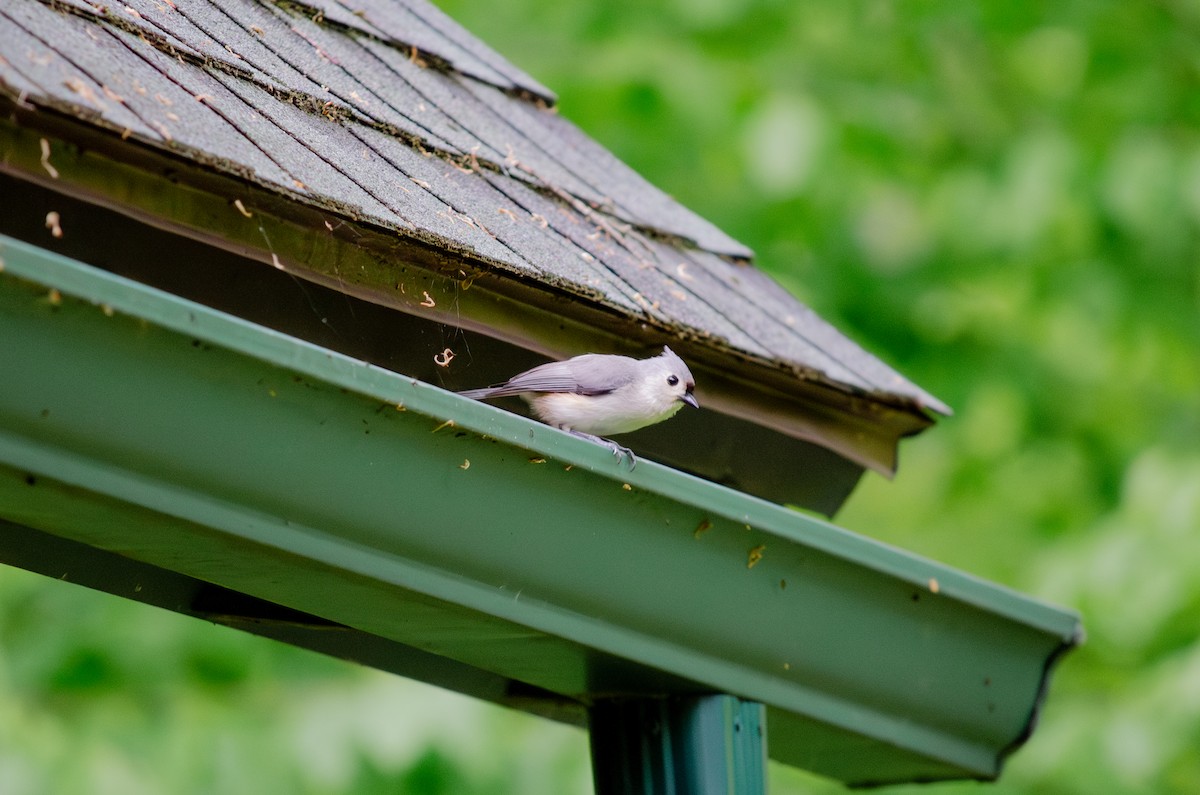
(810, 409)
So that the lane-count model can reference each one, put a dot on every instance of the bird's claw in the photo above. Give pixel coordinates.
(620, 451)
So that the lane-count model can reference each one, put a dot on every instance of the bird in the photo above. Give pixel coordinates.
(596, 395)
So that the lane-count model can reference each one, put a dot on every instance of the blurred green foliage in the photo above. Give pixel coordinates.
(1001, 199)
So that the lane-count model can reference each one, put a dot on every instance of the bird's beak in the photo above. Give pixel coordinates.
(690, 399)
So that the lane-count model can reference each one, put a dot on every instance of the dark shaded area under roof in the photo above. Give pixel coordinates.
(391, 115)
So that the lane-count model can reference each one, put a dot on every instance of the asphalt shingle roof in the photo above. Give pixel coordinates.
(388, 112)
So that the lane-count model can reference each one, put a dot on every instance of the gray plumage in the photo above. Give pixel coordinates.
(596, 395)
(589, 374)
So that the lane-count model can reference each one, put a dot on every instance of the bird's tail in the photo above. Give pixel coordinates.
(479, 394)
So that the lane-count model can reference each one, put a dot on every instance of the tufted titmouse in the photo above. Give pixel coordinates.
(597, 395)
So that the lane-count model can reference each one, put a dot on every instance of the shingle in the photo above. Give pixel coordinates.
(316, 154)
(428, 190)
(412, 23)
(565, 241)
(37, 47)
(176, 29)
(15, 80)
(388, 89)
(616, 186)
(191, 111)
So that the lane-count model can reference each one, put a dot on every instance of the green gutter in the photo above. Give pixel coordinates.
(287, 472)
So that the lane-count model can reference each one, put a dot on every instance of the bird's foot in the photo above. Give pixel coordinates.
(620, 451)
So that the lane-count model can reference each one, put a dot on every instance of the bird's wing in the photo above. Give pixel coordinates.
(596, 374)
(589, 374)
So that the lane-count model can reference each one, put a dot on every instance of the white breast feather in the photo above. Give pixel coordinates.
(604, 415)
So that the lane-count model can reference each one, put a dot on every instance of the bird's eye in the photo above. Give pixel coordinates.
(672, 379)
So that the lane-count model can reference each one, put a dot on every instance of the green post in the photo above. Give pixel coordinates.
(695, 745)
